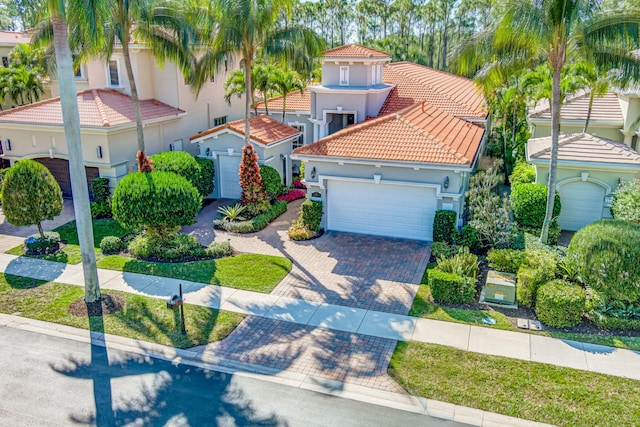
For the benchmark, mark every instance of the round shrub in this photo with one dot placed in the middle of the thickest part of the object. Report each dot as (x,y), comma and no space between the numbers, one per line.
(529,203)
(271,181)
(111,245)
(159,201)
(204,181)
(178,162)
(560,304)
(523,173)
(605,255)
(30,194)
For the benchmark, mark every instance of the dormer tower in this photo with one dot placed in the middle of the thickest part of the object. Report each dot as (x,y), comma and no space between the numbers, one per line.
(351,90)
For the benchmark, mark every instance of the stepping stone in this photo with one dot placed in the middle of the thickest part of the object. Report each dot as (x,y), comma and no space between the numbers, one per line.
(535,325)
(522,323)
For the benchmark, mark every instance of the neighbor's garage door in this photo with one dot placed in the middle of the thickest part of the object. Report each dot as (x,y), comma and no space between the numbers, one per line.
(381,209)
(582,203)
(60,170)
(229,181)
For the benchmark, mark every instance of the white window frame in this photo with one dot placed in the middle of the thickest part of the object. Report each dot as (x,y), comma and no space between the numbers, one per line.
(109,82)
(344,75)
(302,127)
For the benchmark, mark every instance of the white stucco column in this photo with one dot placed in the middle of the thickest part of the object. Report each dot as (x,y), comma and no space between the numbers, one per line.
(628,135)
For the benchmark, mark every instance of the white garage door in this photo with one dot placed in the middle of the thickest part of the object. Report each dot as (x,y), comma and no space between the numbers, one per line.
(582,203)
(229,181)
(381,209)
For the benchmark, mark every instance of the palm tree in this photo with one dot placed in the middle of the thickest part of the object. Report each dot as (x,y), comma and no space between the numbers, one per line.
(285,82)
(246,28)
(262,76)
(597,82)
(535,31)
(71,119)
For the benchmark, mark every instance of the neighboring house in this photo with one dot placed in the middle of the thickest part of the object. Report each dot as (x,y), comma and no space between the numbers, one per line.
(9,40)
(590,166)
(273,142)
(589,170)
(171,113)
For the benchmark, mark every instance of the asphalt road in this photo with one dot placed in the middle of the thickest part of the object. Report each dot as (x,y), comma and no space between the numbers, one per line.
(49,381)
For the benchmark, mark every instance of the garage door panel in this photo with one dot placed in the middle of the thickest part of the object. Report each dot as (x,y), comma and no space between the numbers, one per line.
(582,203)
(229,181)
(381,209)
(59,168)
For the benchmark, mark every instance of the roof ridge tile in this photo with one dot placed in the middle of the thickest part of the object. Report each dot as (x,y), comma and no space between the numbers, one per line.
(100,107)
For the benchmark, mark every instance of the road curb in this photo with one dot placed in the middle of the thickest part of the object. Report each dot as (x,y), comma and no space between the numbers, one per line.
(404,402)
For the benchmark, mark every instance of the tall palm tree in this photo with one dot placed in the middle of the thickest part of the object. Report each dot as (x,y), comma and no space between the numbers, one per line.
(71,118)
(285,82)
(246,28)
(553,31)
(597,82)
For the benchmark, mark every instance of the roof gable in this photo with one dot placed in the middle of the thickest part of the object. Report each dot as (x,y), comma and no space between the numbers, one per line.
(96,107)
(262,129)
(577,108)
(355,51)
(583,147)
(418,134)
(296,101)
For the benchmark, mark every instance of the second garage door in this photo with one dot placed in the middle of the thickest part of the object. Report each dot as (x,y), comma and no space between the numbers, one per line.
(582,203)
(381,209)
(229,181)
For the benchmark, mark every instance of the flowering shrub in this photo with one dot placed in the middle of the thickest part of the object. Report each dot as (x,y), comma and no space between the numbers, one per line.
(293,195)
(298,184)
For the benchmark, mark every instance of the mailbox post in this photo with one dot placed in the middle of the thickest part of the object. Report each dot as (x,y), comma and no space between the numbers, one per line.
(175,303)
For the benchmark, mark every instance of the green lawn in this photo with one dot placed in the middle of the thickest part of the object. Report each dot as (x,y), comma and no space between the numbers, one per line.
(142,318)
(424,306)
(252,272)
(534,391)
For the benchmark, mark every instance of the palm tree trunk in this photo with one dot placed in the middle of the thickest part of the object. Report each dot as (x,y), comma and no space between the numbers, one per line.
(553,162)
(134,93)
(69,102)
(284,105)
(586,123)
(248,97)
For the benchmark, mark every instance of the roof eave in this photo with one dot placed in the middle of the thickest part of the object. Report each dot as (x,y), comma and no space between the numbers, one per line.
(374,162)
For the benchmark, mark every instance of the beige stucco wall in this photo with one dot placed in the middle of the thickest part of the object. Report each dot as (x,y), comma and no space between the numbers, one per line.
(543,128)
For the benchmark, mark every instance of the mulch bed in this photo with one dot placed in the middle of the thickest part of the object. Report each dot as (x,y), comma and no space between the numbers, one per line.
(108,304)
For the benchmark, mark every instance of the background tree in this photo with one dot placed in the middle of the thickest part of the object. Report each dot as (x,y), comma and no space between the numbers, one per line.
(30,195)
(285,82)
(553,31)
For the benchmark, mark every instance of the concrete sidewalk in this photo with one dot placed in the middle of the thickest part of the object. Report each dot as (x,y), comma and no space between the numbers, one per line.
(572,354)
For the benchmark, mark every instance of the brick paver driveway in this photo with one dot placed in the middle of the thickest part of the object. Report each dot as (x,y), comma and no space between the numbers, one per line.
(353,270)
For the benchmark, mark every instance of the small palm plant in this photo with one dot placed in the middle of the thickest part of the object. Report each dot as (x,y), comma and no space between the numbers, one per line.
(232,213)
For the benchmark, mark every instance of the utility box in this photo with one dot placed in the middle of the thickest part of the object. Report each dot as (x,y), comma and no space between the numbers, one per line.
(500,288)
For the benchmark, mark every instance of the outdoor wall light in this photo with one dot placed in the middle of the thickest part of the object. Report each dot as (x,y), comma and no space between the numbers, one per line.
(99,151)
(207,152)
(313,173)
(446,183)
(7,145)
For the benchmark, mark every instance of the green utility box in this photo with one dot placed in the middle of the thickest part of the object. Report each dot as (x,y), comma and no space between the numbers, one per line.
(500,288)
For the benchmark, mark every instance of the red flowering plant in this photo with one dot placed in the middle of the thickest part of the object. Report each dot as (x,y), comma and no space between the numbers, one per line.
(293,195)
(298,184)
(253,195)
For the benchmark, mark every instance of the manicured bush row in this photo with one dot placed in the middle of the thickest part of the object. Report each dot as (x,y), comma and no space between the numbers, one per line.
(168,248)
(311,214)
(605,255)
(529,202)
(614,323)
(451,288)
(444,226)
(560,304)
(204,181)
(255,224)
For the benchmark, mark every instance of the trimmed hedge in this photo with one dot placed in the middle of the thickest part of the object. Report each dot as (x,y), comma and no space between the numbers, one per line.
(271,181)
(529,279)
(219,249)
(560,304)
(444,226)
(170,248)
(204,183)
(529,203)
(111,245)
(506,260)
(523,173)
(606,254)
(257,223)
(101,190)
(451,288)
(311,214)
(626,203)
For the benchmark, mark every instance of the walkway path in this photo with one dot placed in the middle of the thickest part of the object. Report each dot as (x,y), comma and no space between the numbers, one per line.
(341,342)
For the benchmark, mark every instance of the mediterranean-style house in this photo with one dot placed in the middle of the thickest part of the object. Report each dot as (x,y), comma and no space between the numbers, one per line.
(590,165)
(384,144)
(170,111)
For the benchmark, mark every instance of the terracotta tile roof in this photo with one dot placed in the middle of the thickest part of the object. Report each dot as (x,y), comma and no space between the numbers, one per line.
(354,51)
(583,147)
(97,108)
(14,37)
(295,102)
(262,128)
(453,94)
(576,108)
(410,135)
